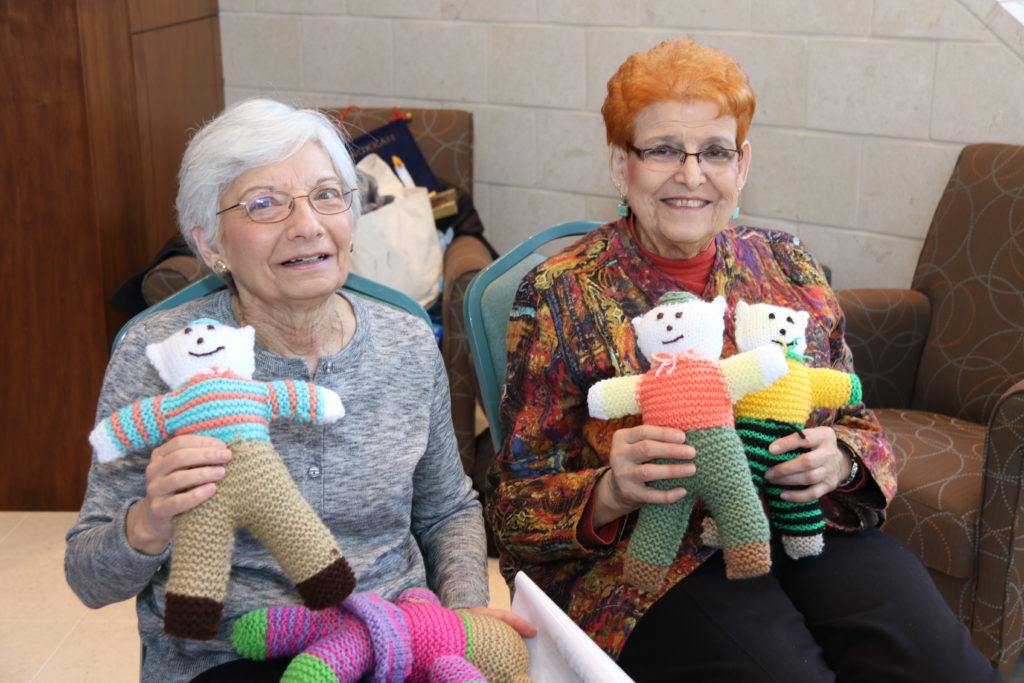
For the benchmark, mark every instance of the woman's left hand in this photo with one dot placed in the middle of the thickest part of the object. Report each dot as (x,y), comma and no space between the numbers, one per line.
(522,626)
(819,470)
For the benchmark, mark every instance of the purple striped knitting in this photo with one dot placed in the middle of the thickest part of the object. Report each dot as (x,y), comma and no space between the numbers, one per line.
(290,630)
(389,636)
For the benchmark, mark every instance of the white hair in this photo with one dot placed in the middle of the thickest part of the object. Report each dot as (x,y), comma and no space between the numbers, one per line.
(249,134)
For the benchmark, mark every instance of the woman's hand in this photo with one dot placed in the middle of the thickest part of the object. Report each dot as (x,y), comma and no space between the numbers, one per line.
(624,487)
(819,470)
(522,626)
(181,474)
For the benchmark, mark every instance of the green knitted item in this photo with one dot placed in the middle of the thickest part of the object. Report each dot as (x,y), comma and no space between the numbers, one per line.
(689,388)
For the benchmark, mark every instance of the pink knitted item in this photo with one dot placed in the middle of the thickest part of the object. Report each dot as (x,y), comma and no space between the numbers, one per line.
(413,638)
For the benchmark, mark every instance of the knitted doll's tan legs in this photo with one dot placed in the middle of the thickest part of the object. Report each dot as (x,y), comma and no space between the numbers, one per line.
(200,568)
(277,514)
(497,650)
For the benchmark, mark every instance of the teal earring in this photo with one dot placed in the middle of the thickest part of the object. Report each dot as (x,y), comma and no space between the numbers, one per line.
(736,213)
(623,208)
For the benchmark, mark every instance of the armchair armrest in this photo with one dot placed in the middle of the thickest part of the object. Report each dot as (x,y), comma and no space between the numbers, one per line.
(463,259)
(1000,556)
(886,330)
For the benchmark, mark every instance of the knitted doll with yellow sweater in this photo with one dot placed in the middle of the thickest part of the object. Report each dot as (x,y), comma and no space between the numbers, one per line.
(412,638)
(689,388)
(784,408)
(209,366)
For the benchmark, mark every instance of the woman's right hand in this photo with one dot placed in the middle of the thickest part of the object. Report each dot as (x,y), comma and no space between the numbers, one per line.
(181,474)
(624,487)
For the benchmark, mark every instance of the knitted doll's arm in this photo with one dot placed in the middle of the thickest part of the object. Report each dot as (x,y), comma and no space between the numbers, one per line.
(303,402)
(614,397)
(834,389)
(753,370)
(131,428)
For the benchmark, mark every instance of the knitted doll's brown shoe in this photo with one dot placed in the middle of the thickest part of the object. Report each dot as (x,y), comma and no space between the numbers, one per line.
(190,617)
(329,586)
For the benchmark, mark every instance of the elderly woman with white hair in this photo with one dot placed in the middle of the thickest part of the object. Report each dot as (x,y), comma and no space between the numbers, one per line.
(267,201)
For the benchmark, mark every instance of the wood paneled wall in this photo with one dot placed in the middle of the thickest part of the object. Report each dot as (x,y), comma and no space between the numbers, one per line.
(97,99)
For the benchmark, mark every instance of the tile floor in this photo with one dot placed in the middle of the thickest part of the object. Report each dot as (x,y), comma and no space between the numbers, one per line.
(47,635)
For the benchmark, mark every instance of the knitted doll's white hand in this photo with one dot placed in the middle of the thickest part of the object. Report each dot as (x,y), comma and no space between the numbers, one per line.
(772,360)
(331,404)
(106,448)
(594,402)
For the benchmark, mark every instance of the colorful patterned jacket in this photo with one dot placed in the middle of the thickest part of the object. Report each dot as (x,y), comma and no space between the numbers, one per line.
(569,328)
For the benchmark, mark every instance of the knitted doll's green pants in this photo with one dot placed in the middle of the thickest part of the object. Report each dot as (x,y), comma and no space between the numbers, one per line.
(723,482)
(258,493)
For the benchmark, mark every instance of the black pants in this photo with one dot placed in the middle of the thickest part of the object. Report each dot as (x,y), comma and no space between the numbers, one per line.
(864,610)
(245,671)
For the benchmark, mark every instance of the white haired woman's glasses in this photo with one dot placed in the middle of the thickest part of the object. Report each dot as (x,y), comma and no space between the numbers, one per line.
(274,207)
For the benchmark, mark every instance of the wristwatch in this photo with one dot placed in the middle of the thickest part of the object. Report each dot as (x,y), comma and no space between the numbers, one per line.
(854,471)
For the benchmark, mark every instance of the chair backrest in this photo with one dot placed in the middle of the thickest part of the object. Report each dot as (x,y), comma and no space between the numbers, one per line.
(445,136)
(971,269)
(486,309)
(357,284)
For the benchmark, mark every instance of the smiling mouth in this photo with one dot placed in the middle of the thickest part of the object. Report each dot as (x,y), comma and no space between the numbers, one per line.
(687,203)
(785,345)
(673,341)
(202,355)
(304,260)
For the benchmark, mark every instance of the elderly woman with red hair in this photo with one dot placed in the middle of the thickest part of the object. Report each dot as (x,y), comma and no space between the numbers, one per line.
(567,486)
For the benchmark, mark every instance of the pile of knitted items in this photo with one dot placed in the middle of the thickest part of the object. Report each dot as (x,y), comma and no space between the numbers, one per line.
(782,409)
(209,367)
(411,638)
(688,388)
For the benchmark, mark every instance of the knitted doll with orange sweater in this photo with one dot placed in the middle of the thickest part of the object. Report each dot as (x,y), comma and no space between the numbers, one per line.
(209,366)
(688,388)
(784,408)
(412,638)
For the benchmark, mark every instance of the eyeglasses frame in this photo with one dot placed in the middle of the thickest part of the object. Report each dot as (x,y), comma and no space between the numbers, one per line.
(642,155)
(291,205)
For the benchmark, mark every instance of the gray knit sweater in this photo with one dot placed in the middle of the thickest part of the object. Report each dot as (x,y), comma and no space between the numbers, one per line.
(386,479)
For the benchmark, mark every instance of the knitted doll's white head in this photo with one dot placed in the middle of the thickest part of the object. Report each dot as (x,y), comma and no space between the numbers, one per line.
(682,322)
(203,346)
(759,324)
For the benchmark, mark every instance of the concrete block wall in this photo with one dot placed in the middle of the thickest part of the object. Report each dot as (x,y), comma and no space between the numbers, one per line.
(863,105)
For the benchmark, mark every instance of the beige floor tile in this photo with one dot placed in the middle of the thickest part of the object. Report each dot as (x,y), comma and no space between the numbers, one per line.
(25,646)
(96,651)
(36,589)
(9,520)
(499,590)
(39,534)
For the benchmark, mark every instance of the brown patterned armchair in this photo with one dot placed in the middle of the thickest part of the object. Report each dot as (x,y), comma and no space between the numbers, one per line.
(943,364)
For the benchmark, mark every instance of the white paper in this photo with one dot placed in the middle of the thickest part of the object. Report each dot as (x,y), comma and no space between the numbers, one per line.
(561,652)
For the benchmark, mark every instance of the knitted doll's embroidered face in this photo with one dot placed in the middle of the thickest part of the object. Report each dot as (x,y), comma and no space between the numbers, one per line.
(202,345)
(759,324)
(675,327)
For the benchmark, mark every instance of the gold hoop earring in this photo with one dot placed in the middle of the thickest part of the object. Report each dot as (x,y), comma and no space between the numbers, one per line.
(220,267)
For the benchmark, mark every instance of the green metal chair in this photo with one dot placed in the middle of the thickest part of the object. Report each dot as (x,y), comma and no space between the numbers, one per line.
(357,284)
(486,308)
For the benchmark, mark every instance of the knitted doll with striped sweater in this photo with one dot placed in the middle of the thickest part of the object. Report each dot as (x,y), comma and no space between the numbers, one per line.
(412,638)
(688,388)
(209,367)
(781,409)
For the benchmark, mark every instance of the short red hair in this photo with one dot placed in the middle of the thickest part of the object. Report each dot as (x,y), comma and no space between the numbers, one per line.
(676,70)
